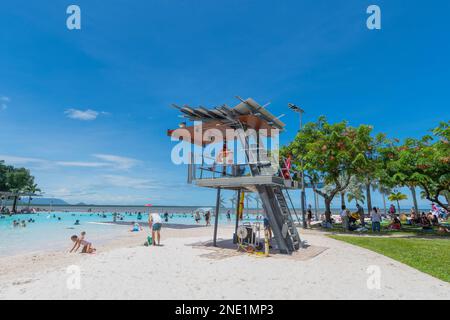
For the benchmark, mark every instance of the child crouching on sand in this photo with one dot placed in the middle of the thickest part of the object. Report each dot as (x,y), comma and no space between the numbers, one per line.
(80,241)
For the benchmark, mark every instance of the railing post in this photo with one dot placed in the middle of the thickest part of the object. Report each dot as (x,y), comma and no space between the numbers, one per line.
(238,201)
(216,222)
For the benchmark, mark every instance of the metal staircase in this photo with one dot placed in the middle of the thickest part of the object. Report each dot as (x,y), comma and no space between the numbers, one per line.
(280,219)
(273,200)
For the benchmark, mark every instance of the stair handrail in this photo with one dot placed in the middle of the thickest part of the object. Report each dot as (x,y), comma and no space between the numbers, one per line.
(292,204)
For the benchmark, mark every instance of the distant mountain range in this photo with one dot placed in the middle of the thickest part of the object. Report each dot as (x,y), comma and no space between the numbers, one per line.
(45,201)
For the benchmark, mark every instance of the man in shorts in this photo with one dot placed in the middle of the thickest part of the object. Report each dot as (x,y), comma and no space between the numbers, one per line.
(155,223)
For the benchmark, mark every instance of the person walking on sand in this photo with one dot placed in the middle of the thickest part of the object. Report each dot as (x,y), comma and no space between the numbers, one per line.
(155,223)
(309,217)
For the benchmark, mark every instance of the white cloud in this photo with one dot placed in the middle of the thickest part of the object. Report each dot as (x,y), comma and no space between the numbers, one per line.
(4,102)
(128,182)
(110,161)
(81,164)
(13,160)
(118,162)
(87,115)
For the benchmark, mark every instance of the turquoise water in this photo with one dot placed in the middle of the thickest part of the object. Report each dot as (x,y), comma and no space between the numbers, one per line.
(50,233)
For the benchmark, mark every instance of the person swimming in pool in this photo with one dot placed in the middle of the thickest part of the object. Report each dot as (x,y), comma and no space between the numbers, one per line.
(77,222)
(80,241)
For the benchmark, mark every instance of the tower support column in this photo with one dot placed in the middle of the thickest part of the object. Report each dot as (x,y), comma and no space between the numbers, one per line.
(216,221)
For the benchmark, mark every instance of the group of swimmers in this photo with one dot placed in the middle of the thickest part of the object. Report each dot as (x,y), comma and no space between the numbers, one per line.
(206,215)
(22,223)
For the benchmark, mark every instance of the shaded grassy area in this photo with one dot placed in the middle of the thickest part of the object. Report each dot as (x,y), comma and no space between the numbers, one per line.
(429,256)
(407,230)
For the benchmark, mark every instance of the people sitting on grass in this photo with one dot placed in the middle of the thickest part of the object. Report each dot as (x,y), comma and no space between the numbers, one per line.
(434,220)
(415,218)
(443,229)
(425,222)
(395,224)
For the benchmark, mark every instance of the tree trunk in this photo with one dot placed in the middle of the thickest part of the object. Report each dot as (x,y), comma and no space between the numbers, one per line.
(316,206)
(14,209)
(446,198)
(29,201)
(398,207)
(413,193)
(342,198)
(369,197)
(384,203)
(328,209)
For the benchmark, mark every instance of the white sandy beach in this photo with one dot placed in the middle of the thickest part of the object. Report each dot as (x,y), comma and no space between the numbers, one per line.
(125,269)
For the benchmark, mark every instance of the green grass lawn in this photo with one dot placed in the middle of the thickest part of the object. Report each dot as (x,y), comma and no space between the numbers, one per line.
(429,256)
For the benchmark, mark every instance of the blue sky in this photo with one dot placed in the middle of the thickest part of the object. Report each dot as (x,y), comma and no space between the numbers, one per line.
(87,110)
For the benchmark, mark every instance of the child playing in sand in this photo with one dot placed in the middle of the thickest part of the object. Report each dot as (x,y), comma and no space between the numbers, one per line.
(80,241)
(136,227)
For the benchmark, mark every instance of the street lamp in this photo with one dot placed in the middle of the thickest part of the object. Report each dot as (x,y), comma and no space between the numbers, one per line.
(300,111)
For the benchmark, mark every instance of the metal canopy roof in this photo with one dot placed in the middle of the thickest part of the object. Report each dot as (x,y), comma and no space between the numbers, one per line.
(231,117)
(248,114)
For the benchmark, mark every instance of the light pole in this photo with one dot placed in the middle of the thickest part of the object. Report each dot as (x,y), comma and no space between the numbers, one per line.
(300,111)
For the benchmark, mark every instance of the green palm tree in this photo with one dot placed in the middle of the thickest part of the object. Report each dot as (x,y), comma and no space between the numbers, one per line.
(31,189)
(222,202)
(356,195)
(258,202)
(397,196)
(355,191)
(384,191)
(233,201)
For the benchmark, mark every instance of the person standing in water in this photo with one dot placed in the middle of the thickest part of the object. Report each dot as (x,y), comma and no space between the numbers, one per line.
(155,223)
(207,218)
(197,217)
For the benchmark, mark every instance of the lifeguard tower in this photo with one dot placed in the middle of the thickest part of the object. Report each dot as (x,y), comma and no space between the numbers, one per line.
(260,171)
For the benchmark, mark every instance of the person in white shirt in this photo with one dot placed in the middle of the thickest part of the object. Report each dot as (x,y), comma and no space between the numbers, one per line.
(375,216)
(155,223)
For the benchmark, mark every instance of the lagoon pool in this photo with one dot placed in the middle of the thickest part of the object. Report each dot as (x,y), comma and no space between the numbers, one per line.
(52,231)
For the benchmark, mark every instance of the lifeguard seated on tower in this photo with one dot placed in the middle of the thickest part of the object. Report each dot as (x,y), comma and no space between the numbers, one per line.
(225,157)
